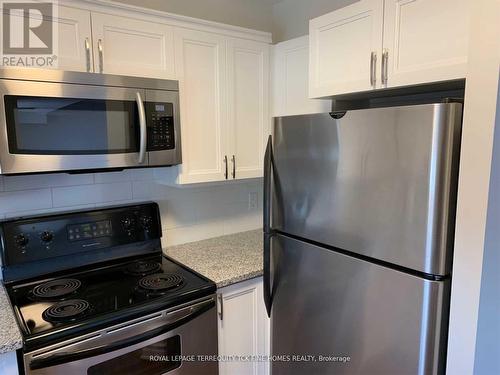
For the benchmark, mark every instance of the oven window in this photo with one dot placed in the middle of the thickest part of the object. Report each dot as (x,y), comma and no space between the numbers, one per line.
(154,359)
(64,126)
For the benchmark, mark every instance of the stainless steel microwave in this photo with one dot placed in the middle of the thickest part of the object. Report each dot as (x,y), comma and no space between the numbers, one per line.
(70,121)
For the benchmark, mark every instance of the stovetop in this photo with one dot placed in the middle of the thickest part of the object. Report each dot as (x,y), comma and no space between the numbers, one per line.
(57,308)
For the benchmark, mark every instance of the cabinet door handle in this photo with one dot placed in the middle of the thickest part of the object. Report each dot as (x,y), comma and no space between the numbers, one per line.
(99,49)
(87,53)
(233,159)
(221,303)
(385,60)
(373,69)
(225,162)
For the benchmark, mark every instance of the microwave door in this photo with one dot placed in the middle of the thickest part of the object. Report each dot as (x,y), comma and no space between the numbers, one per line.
(163,124)
(64,127)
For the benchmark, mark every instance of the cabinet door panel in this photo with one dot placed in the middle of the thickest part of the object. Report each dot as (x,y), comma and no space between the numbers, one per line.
(132,47)
(427,40)
(291,80)
(248,93)
(201,68)
(244,329)
(341,44)
(72,29)
(74,37)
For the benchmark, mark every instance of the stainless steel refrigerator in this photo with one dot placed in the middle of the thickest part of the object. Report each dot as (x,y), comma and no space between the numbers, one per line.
(358,236)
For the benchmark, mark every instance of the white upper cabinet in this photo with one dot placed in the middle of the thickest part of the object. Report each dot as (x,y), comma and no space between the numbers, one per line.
(201,69)
(412,41)
(75,39)
(248,106)
(135,47)
(425,40)
(343,47)
(224,89)
(291,80)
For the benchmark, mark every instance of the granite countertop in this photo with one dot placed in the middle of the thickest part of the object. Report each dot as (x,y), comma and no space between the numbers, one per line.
(10,336)
(225,260)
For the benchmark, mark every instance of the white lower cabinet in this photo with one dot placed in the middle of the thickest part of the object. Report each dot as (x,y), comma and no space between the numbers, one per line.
(8,363)
(243,328)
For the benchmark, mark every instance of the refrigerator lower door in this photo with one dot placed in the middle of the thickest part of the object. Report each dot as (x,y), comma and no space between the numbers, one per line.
(379,182)
(332,305)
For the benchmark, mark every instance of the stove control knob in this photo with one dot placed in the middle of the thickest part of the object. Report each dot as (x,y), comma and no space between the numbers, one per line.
(46,236)
(127,223)
(21,240)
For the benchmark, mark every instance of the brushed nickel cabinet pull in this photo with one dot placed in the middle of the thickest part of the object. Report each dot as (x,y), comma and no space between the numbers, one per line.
(87,53)
(385,60)
(225,162)
(221,302)
(233,159)
(373,69)
(101,58)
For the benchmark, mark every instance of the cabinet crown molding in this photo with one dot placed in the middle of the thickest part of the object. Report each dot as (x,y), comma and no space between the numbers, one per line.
(132,11)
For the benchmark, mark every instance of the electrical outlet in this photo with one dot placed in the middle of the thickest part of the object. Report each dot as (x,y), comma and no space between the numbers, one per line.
(252,200)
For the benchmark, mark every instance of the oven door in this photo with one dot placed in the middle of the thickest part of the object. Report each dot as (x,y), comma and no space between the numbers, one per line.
(60,127)
(181,341)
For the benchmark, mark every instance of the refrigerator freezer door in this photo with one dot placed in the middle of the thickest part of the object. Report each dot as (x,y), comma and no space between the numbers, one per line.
(332,305)
(378,182)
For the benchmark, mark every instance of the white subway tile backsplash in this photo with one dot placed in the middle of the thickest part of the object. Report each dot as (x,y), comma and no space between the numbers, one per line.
(107,177)
(178,208)
(38,181)
(52,210)
(147,190)
(142,174)
(188,213)
(24,200)
(241,219)
(98,193)
(176,236)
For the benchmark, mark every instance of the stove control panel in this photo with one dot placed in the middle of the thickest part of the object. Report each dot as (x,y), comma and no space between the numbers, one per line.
(85,231)
(38,238)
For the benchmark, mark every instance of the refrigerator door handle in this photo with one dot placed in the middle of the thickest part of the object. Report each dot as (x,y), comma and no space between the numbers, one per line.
(267,273)
(268,161)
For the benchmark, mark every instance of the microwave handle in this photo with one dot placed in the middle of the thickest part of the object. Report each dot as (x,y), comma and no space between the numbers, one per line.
(142,127)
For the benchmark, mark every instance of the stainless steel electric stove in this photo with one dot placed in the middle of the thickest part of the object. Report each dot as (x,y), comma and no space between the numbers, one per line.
(93,294)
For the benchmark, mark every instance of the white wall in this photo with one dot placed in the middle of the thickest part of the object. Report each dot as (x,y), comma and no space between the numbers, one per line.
(291,17)
(188,214)
(474,183)
(253,14)
(487,359)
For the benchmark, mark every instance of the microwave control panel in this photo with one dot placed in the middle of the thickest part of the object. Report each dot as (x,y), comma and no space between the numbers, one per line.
(160,124)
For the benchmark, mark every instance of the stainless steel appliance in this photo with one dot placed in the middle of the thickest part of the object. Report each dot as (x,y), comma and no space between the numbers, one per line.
(65,121)
(93,294)
(358,232)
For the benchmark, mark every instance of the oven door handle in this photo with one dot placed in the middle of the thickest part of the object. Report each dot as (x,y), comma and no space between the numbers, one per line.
(178,318)
(142,127)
